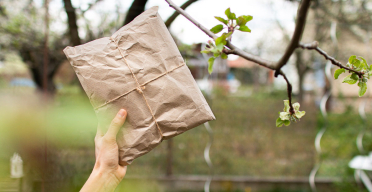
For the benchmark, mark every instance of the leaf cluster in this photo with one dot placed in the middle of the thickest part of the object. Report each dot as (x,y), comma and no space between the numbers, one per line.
(231,23)
(360,66)
(285,117)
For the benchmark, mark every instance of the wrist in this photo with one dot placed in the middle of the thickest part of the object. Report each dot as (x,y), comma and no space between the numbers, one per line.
(101,180)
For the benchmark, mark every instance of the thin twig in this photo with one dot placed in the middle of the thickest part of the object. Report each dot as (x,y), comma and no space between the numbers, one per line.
(300,25)
(176,13)
(90,5)
(289,92)
(234,50)
(265,63)
(314,46)
(192,20)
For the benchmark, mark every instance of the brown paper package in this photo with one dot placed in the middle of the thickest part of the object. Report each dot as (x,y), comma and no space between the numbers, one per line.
(140,69)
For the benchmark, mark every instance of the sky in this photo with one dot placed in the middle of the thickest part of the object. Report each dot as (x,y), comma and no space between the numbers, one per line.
(264,26)
(264,12)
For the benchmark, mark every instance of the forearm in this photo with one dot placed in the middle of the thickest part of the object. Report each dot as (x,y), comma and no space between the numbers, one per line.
(100,181)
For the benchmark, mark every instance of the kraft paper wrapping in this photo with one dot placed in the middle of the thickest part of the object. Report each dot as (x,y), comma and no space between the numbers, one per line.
(139,68)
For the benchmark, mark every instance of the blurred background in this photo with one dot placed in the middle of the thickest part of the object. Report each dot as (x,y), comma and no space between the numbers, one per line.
(47,124)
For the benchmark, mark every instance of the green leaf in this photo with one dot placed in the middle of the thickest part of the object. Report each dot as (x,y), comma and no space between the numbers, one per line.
(216,55)
(362,88)
(210,64)
(300,114)
(349,80)
(358,64)
(287,122)
(221,40)
(217,29)
(352,58)
(370,67)
(233,16)
(220,47)
(296,106)
(205,51)
(244,29)
(227,35)
(364,64)
(247,17)
(222,20)
(286,106)
(354,61)
(223,56)
(229,14)
(354,76)
(338,72)
(241,21)
(279,122)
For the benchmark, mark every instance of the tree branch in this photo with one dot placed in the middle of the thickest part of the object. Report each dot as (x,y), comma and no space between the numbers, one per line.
(314,46)
(72,23)
(90,5)
(294,44)
(289,92)
(192,20)
(250,57)
(234,50)
(137,7)
(300,25)
(175,14)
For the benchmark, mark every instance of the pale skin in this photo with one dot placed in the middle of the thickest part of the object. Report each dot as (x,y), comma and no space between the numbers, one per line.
(107,172)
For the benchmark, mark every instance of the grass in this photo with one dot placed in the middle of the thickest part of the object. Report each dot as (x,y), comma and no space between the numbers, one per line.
(246,141)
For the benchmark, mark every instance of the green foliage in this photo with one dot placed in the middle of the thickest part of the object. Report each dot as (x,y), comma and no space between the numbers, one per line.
(244,29)
(217,28)
(210,64)
(338,72)
(285,118)
(231,23)
(350,79)
(224,21)
(359,65)
(362,88)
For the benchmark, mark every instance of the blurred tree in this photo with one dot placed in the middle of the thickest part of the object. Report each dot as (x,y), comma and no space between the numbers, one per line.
(72,26)
(23,33)
(352,20)
(18,28)
(137,7)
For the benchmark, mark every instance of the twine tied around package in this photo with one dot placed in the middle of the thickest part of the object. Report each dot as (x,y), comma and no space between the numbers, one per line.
(139,87)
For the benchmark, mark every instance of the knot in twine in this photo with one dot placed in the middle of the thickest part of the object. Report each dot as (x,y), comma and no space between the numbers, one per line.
(140,89)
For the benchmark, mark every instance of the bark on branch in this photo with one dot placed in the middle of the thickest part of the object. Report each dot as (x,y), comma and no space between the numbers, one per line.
(289,92)
(235,50)
(137,7)
(90,6)
(300,25)
(175,14)
(72,26)
(314,46)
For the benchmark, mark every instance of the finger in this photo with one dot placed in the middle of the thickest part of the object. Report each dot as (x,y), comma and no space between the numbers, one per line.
(116,124)
(122,171)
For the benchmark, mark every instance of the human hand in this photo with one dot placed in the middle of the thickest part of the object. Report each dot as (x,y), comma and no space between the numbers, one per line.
(107,172)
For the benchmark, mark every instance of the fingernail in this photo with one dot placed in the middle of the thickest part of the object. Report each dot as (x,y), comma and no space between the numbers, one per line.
(121,113)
